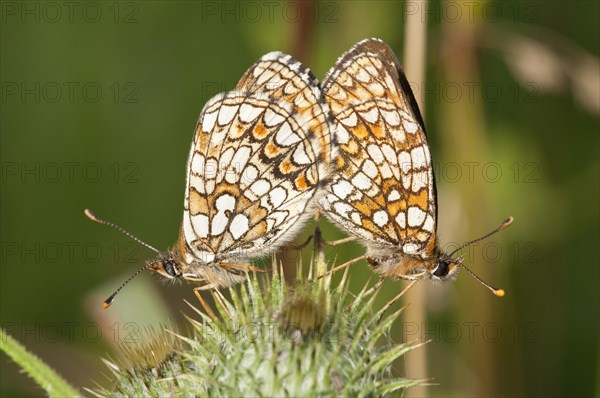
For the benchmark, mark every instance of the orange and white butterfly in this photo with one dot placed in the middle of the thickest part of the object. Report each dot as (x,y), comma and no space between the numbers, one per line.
(382,189)
(258,158)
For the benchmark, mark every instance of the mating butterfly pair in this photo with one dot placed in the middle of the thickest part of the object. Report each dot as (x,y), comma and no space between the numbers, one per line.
(267,154)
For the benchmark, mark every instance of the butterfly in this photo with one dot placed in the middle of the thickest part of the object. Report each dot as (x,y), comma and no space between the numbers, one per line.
(258,158)
(382,189)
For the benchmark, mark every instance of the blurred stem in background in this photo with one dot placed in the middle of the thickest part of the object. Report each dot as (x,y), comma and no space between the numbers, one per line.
(414,59)
(304,30)
(301,42)
(463,137)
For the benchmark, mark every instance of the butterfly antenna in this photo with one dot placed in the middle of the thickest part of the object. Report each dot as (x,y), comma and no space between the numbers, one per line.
(505,224)
(95,218)
(497,292)
(110,299)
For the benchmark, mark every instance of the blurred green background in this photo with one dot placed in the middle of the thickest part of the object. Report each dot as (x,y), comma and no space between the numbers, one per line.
(99,101)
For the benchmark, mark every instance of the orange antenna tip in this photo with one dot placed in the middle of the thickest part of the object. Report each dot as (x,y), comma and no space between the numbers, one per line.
(499,292)
(507,223)
(88,213)
(109,300)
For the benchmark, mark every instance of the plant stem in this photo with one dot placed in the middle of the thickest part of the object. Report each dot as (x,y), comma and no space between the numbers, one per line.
(43,375)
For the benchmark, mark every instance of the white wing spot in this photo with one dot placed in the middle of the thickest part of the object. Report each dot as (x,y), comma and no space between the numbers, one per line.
(208,121)
(419,180)
(342,209)
(345,80)
(342,189)
(209,187)
(416,216)
(285,136)
(398,135)
(200,223)
(380,218)
(418,157)
(410,248)
(239,226)
(377,89)
(260,187)
(250,174)
(300,156)
(266,75)
(385,171)
(369,168)
(350,121)
(428,225)
(375,153)
(226,114)
(410,126)
(225,159)
(241,158)
(277,196)
(389,154)
(224,205)
(248,113)
(405,162)
(342,134)
(210,169)
(401,219)
(393,196)
(272,119)
(371,116)
(363,76)
(198,163)
(361,181)
(391,117)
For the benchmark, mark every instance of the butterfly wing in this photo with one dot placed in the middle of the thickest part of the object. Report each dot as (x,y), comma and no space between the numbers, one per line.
(382,189)
(258,156)
(283,79)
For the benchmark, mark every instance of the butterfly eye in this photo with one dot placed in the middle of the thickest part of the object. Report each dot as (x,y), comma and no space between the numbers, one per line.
(170,268)
(442,269)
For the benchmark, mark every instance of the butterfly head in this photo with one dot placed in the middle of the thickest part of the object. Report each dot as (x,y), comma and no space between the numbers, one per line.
(165,265)
(445,268)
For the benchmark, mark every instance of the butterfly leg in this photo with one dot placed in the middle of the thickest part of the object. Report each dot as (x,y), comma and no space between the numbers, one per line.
(413,277)
(231,267)
(324,242)
(375,287)
(342,266)
(206,307)
(302,245)
(339,241)
(402,293)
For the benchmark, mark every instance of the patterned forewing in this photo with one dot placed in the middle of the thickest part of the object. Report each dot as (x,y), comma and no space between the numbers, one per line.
(256,160)
(382,188)
(284,79)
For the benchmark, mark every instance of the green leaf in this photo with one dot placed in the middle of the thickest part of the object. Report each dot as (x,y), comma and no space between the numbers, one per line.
(43,375)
